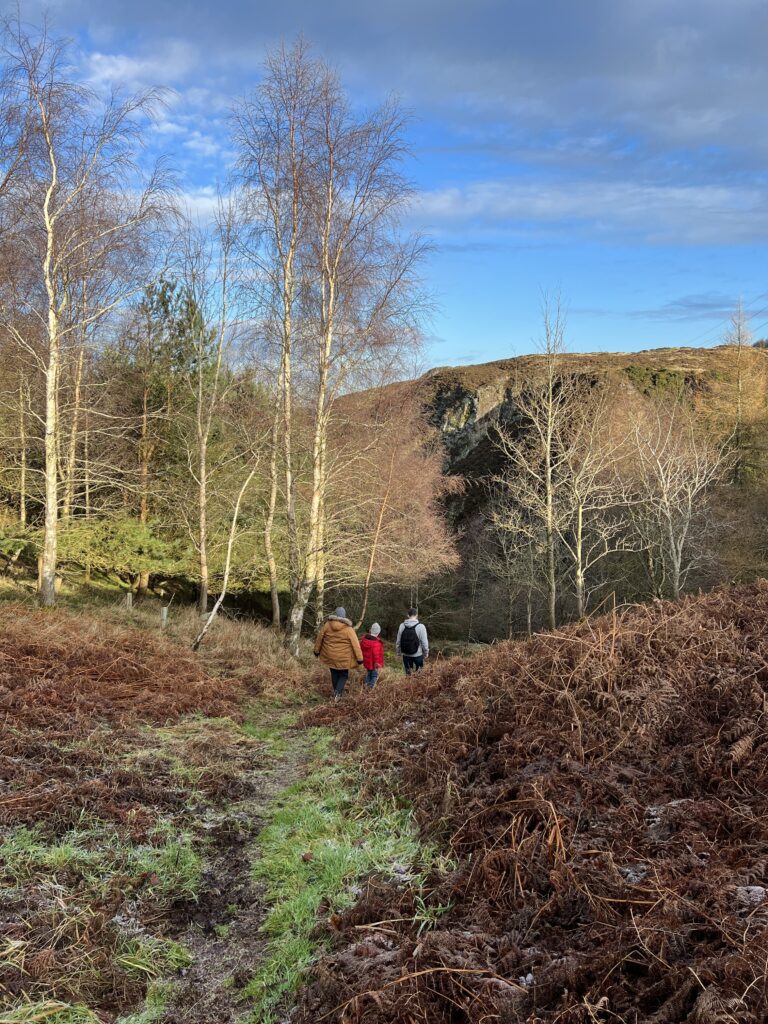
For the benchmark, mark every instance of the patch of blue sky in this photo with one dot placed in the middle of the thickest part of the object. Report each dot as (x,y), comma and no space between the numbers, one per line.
(616,151)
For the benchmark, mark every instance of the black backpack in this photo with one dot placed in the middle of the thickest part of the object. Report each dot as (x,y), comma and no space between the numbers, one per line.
(409,641)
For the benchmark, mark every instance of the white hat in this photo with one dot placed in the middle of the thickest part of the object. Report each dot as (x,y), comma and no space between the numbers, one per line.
(375,629)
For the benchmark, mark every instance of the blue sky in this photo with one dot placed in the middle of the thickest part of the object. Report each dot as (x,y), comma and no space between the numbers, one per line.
(614,149)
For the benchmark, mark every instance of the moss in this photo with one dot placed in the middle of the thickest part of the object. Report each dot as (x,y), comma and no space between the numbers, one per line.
(658,380)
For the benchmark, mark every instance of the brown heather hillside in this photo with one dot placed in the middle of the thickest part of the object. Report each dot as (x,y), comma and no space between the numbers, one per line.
(602,795)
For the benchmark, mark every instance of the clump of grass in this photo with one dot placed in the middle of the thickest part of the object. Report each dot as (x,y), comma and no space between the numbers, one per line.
(92,854)
(321,839)
(150,957)
(49,1010)
(154,1006)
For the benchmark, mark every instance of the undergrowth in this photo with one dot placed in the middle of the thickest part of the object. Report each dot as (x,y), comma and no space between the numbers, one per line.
(322,839)
(94,853)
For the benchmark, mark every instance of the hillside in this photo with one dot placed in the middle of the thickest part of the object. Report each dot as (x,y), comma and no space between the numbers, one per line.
(598,796)
(465,402)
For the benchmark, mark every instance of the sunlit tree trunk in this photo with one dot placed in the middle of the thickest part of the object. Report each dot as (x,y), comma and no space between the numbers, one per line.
(269,523)
(202,440)
(321,559)
(50,534)
(227,563)
(579,561)
(71,464)
(22,454)
(142,585)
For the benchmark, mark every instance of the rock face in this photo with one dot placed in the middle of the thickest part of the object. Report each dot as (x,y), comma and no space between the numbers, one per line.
(466,403)
(466,416)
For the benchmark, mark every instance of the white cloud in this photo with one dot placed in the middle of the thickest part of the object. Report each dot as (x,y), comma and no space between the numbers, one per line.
(696,214)
(200,204)
(167,127)
(169,64)
(204,145)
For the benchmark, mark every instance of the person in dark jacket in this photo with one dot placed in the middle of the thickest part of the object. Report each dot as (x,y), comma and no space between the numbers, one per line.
(373,655)
(337,647)
(412,643)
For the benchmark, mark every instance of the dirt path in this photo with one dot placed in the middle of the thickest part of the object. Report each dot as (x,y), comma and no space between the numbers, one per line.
(222,934)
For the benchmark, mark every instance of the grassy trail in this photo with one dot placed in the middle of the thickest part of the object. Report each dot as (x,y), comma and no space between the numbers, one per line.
(223,934)
(170,834)
(287,856)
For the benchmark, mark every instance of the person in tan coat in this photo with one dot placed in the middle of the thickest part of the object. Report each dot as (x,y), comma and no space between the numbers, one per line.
(337,647)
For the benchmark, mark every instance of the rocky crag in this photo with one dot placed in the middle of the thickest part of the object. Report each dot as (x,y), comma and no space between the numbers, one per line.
(467,403)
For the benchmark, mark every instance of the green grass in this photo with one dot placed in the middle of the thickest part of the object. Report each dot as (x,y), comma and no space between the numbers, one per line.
(321,839)
(51,1011)
(153,1009)
(94,853)
(150,958)
(271,735)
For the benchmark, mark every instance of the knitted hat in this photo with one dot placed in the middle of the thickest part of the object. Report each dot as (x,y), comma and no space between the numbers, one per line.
(375,629)
(340,613)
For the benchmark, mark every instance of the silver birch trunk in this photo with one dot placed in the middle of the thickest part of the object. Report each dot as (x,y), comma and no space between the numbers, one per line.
(579,562)
(227,564)
(50,537)
(269,522)
(23,456)
(71,464)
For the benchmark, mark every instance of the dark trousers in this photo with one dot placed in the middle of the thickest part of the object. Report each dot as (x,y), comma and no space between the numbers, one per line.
(339,677)
(412,664)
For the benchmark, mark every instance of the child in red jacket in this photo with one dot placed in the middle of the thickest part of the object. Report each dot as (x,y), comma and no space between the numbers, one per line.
(373,655)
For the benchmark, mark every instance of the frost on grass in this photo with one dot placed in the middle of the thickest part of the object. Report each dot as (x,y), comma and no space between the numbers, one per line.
(107,766)
(322,842)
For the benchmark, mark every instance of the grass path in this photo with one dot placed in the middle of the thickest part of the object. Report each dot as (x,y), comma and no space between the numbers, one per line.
(223,934)
(287,856)
(163,861)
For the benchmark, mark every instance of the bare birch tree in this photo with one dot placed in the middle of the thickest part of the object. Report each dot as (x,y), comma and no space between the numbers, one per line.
(210,280)
(516,558)
(592,515)
(740,337)
(275,132)
(362,284)
(325,195)
(673,467)
(77,158)
(536,459)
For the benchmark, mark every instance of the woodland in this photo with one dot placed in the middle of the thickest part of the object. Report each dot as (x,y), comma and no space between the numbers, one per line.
(177,393)
(209,404)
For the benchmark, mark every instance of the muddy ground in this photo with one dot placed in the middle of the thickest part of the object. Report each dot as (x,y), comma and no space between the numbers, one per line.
(222,930)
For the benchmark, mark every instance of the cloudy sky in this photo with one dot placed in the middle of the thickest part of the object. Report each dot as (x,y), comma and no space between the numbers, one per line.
(614,149)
